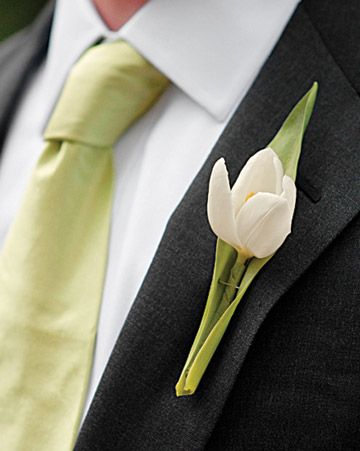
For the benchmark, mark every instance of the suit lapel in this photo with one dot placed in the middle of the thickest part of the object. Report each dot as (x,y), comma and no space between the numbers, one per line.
(18,57)
(135,406)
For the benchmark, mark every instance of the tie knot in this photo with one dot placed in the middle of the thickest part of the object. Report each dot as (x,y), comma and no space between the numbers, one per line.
(108,88)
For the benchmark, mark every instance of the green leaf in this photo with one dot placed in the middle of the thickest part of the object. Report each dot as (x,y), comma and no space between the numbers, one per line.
(287,144)
(288,140)
(224,260)
(207,350)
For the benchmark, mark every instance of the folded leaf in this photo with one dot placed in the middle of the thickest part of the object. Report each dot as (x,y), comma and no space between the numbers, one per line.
(225,258)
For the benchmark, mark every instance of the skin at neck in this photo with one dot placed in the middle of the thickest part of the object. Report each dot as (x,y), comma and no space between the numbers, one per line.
(117,12)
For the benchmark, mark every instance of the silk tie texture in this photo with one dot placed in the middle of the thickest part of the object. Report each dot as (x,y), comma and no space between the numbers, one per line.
(54,259)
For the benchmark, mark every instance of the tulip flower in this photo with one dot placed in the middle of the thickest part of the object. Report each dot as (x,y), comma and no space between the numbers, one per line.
(254,216)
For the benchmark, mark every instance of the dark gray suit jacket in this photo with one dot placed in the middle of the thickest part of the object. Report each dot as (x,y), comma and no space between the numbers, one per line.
(287,373)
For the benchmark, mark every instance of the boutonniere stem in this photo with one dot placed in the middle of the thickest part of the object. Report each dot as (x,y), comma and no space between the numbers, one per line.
(251,220)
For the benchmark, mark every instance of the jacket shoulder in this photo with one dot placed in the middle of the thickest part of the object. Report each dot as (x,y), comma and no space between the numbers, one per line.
(11,45)
(36,35)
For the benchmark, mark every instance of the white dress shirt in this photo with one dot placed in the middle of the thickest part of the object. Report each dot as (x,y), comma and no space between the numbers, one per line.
(211,50)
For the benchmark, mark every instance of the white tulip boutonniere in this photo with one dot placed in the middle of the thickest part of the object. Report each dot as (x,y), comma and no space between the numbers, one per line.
(251,220)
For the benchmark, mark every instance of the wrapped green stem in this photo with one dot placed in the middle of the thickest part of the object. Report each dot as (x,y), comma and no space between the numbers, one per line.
(232,286)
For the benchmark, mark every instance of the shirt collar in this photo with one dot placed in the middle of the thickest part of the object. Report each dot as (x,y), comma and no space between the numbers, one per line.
(211,50)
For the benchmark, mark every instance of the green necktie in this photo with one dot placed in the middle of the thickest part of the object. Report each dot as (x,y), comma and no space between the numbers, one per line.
(53,262)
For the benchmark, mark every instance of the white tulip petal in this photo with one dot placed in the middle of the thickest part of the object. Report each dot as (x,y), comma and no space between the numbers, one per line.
(263,172)
(263,223)
(252,212)
(289,192)
(219,207)
(279,171)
